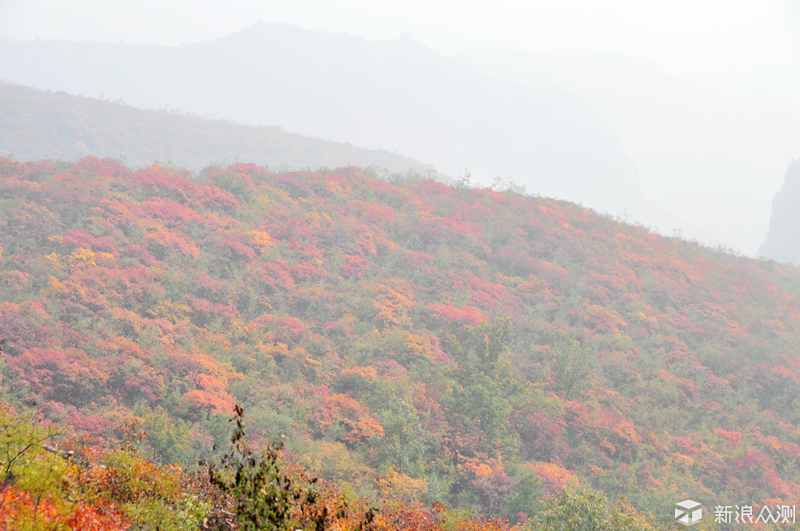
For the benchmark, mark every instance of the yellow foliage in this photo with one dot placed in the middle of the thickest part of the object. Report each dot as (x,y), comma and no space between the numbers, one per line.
(626,430)
(53,257)
(238,327)
(119,196)
(261,239)
(366,240)
(682,460)
(555,475)
(426,214)
(268,196)
(55,286)
(418,346)
(274,350)
(648,320)
(172,311)
(157,168)
(396,486)
(82,257)
(483,470)
(317,221)
(171,240)
(367,373)
(333,186)
(264,202)
(393,306)
(225,222)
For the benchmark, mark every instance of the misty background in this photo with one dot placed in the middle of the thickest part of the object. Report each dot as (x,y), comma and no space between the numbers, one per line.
(679,115)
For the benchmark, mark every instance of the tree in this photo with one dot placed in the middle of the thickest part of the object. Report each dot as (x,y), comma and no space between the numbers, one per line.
(264,496)
(572,368)
(484,342)
(587,511)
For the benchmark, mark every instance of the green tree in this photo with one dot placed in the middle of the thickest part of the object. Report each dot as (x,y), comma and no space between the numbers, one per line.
(484,344)
(525,498)
(24,460)
(168,437)
(572,368)
(584,511)
(587,511)
(264,495)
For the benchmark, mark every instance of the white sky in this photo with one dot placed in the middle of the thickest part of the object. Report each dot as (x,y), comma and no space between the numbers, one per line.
(739,46)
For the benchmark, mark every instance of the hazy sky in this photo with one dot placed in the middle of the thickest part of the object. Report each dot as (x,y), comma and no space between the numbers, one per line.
(736,45)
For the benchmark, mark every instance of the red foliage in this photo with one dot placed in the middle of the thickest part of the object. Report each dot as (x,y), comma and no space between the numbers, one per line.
(152,285)
(18,508)
(468,315)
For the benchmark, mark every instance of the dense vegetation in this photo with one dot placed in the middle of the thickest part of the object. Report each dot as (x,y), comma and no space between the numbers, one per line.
(406,341)
(36,124)
(783,239)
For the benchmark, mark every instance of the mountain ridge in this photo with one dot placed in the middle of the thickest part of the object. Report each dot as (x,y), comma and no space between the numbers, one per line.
(397,94)
(37,124)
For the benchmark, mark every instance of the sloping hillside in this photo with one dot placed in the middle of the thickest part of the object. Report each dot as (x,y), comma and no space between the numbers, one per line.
(473,347)
(783,238)
(37,125)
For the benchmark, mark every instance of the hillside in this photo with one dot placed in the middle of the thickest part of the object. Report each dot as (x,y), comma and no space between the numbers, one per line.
(411,340)
(37,125)
(397,95)
(783,238)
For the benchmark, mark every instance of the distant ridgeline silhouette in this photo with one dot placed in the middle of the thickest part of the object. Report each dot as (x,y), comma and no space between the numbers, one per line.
(37,125)
(783,238)
(398,95)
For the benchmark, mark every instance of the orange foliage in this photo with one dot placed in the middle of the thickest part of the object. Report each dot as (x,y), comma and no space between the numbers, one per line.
(19,509)
(554,478)
(328,300)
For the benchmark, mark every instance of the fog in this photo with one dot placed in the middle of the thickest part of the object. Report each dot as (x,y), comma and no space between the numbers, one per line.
(683,115)
(712,159)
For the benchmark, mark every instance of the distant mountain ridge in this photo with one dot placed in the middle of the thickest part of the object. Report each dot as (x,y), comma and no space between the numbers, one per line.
(37,124)
(783,239)
(398,95)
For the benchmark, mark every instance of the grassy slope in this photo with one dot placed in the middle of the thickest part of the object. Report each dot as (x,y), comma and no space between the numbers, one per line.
(365,320)
(38,125)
